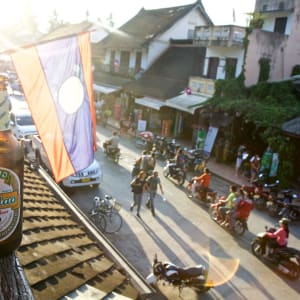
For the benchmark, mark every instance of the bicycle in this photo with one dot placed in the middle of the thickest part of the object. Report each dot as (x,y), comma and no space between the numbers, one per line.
(105,214)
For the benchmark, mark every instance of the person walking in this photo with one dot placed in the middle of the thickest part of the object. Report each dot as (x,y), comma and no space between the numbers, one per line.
(138,186)
(239,159)
(153,181)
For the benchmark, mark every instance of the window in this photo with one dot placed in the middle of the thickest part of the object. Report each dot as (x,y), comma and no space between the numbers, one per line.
(280,25)
(112,61)
(230,67)
(190,34)
(138,61)
(213,67)
(124,63)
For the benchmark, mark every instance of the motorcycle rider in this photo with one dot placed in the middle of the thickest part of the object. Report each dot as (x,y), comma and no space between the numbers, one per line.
(242,208)
(202,181)
(226,204)
(112,144)
(277,239)
(179,161)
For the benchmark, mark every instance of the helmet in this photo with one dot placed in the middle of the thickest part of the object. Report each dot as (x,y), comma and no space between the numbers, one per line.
(284,221)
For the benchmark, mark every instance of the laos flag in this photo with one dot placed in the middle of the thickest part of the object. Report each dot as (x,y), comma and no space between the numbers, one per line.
(56,77)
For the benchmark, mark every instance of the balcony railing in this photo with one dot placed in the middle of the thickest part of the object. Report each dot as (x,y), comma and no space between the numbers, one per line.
(266,6)
(220,36)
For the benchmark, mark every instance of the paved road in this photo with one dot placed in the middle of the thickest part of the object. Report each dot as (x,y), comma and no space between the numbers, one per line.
(183,233)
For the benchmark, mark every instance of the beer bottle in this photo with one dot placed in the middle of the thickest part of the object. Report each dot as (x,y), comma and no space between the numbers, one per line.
(11,180)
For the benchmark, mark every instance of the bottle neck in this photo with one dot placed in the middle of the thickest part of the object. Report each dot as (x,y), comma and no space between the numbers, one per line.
(4,111)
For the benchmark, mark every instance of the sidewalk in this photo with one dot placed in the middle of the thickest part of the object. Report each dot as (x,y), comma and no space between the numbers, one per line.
(224,171)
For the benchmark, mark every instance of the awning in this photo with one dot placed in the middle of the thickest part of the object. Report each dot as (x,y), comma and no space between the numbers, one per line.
(150,102)
(105,89)
(187,103)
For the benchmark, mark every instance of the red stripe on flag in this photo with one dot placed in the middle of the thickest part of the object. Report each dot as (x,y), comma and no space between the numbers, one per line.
(85,52)
(43,110)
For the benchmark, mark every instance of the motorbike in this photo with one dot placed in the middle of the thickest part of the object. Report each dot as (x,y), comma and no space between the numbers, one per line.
(172,148)
(174,172)
(285,259)
(261,194)
(291,211)
(192,277)
(195,159)
(160,146)
(238,225)
(276,204)
(113,154)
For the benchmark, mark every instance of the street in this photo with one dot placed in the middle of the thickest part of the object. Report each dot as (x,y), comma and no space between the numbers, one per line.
(182,232)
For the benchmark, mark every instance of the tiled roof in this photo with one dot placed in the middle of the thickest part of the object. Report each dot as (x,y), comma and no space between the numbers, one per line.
(169,75)
(147,24)
(59,255)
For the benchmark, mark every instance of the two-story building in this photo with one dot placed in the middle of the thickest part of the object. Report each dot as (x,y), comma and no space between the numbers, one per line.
(275,45)
(132,49)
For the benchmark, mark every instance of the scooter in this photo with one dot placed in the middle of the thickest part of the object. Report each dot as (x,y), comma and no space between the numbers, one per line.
(174,172)
(192,277)
(284,259)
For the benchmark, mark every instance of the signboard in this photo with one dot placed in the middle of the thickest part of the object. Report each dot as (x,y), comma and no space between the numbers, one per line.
(201,135)
(141,126)
(210,139)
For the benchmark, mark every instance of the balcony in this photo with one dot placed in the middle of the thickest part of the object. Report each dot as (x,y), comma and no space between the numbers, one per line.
(220,36)
(272,6)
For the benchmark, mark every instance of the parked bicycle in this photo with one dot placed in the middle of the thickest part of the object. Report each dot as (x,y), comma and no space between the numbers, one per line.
(105,214)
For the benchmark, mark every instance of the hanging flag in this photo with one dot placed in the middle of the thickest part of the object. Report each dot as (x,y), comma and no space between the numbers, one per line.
(57,81)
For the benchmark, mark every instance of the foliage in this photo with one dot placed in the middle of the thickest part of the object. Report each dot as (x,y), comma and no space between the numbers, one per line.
(265,104)
(296,70)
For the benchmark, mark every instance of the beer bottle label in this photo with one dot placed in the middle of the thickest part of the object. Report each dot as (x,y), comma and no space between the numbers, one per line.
(9,203)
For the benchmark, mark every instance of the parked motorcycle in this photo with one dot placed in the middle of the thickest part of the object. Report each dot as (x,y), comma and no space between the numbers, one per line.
(192,277)
(195,159)
(160,146)
(261,194)
(172,148)
(285,259)
(174,172)
(113,154)
(291,211)
(275,205)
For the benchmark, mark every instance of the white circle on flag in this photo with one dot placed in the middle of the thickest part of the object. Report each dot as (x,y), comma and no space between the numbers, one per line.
(71,95)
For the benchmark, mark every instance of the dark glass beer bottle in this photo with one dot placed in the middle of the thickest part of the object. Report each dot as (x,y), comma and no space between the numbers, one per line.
(11,180)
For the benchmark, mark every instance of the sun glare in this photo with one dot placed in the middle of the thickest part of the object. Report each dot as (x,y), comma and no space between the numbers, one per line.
(9,14)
